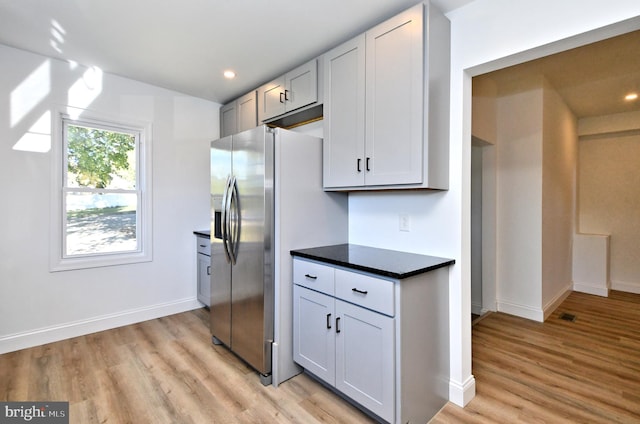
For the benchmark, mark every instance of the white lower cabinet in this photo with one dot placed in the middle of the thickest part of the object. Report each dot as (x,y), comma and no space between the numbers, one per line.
(314,333)
(365,358)
(381,342)
(204,270)
(346,346)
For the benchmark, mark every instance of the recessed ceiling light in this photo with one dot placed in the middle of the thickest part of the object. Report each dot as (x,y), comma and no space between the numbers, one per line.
(631,96)
(229,74)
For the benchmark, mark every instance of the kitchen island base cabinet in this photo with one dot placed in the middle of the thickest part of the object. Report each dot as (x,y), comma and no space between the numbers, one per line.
(382,343)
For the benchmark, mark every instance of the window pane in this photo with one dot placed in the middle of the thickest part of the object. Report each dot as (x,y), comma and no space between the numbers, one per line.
(100,158)
(100,223)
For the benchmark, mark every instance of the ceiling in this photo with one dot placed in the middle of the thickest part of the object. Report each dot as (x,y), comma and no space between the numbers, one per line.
(185,45)
(592,79)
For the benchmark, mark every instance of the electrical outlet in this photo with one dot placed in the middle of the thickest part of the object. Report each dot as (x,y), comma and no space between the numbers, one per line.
(404,222)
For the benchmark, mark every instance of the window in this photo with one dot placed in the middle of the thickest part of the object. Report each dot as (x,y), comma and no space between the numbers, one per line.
(103,202)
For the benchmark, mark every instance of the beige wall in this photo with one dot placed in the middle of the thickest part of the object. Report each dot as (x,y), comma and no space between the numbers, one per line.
(560,145)
(536,142)
(519,209)
(609,191)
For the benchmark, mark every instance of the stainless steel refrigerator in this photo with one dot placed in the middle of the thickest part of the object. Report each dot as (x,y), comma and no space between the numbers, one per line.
(266,199)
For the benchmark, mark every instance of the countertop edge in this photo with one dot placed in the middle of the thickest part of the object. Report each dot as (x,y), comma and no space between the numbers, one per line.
(385,273)
(203,233)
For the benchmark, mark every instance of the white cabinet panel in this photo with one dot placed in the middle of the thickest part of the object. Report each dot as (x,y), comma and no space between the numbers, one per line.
(295,89)
(394,89)
(386,125)
(314,276)
(203,248)
(344,112)
(302,86)
(271,99)
(365,358)
(313,329)
(239,115)
(228,119)
(247,115)
(363,290)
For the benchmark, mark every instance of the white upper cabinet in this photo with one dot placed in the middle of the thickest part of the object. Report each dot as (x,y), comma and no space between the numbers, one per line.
(228,119)
(344,108)
(386,105)
(295,89)
(393,125)
(239,115)
(247,111)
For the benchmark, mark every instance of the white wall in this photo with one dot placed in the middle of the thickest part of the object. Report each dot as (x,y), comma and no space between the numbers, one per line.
(477,183)
(609,191)
(519,202)
(488,35)
(76,302)
(560,157)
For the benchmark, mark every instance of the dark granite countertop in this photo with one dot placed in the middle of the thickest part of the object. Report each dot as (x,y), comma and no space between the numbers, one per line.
(387,263)
(203,233)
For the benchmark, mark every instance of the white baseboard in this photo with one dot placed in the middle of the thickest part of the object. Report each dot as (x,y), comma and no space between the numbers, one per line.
(522,311)
(476,309)
(589,289)
(462,393)
(625,287)
(556,301)
(56,333)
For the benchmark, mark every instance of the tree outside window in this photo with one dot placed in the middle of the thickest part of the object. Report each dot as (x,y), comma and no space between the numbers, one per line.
(101,190)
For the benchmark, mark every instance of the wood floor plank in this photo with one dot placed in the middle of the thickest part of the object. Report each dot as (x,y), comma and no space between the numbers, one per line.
(586,371)
(168,371)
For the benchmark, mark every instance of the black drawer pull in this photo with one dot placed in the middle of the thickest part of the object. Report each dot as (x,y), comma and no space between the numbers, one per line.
(203,245)
(311,277)
(328,321)
(338,325)
(359,291)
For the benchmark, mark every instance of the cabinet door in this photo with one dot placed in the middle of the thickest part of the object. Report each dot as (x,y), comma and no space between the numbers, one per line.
(344,113)
(228,119)
(365,358)
(301,86)
(271,99)
(204,279)
(247,111)
(313,332)
(394,93)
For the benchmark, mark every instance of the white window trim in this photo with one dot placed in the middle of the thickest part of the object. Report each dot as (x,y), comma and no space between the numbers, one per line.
(57,259)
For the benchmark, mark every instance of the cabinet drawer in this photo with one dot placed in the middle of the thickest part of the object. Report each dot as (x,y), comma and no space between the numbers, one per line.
(370,292)
(204,246)
(314,276)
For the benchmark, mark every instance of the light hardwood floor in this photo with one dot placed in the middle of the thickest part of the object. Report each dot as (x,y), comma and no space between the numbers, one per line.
(587,371)
(167,371)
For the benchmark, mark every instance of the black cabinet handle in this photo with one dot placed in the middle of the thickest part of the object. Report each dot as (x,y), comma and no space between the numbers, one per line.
(359,291)
(368,169)
(281,97)
(338,325)
(329,321)
(203,245)
(358,165)
(311,277)
(286,95)
(208,270)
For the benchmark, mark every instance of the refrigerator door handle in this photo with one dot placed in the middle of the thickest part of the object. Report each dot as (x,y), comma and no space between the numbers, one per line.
(234,227)
(225,220)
